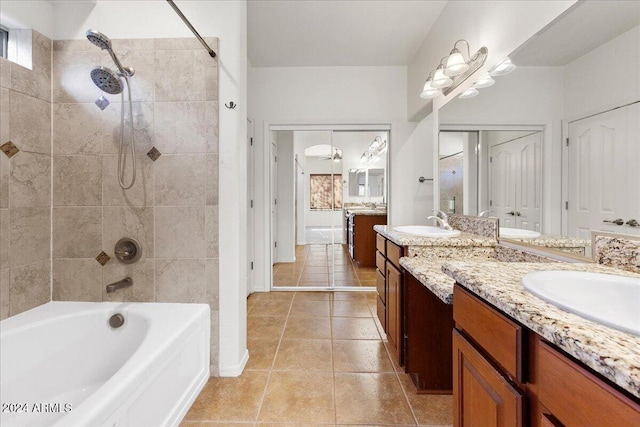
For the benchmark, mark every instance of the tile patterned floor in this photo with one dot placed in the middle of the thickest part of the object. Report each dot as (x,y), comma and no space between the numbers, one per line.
(316,359)
(319,264)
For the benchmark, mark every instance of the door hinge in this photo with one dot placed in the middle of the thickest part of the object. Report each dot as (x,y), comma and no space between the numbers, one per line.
(252,203)
(490,202)
(275,201)
(251,140)
(491,159)
(567,142)
(566,205)
(275,159)
(275,244)
(252,265)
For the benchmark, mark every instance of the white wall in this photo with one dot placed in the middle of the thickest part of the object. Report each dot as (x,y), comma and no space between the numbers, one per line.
(336,95)
(605,78)
(501,26)
(227,21)
(34,14)
(286,222)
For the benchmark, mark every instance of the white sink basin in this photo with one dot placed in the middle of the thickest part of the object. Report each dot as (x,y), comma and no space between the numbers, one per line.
(516,233)
(604,298)
(426,231)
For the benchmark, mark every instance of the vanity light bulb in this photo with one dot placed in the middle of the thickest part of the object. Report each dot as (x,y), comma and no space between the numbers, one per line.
(428,91)
(484,81)
(456,64)
(469,93)
(440,80)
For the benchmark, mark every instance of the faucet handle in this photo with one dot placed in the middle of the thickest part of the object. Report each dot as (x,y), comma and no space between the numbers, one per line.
(440,214)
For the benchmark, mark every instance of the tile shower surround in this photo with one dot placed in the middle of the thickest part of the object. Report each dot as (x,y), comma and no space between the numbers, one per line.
(25,181)
(172,209)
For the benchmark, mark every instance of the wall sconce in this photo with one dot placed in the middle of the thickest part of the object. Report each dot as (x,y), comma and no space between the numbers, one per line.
(453,70)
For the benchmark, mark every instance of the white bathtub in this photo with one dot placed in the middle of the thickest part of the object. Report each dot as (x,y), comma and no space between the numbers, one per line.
(61,364)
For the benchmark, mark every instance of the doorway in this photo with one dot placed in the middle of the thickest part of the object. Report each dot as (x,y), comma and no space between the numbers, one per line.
(312,172)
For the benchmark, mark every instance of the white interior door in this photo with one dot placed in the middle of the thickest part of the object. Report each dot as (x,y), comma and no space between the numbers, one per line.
(501,179)
(604,176)
(274,199)
(250,208)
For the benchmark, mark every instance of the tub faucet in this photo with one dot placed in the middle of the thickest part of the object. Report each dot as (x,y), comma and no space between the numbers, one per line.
(442,223)
(124,283)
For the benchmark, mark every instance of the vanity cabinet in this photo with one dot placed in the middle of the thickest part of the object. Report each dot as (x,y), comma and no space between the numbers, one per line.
(428,341)
(361,238)
(506,375)
(389,289)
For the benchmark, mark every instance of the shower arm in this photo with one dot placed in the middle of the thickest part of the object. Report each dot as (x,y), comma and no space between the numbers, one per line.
(124,70)
(193,30)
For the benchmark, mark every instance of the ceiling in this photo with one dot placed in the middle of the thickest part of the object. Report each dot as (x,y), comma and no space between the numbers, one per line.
(306,33)
(585,27)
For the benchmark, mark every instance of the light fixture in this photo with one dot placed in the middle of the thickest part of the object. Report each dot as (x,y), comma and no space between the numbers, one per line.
(456,64)
(503,67)
(337,156)
(440,80)
(484,81)
(469,93)
(428,91)
(376,148)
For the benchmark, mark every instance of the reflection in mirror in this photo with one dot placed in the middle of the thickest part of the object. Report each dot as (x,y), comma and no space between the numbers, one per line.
(560,148)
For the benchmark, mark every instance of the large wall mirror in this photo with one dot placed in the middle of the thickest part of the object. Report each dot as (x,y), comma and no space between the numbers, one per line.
(553,146)
(317,177)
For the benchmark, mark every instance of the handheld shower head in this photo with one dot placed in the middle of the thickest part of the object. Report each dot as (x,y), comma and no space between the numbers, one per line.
(99,39)
(107,80)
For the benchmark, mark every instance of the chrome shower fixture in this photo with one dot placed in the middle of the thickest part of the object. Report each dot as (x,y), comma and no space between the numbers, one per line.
(104,43)
(107,80)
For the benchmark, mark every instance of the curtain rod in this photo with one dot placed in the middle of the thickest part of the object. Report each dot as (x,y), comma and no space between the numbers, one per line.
(193,30)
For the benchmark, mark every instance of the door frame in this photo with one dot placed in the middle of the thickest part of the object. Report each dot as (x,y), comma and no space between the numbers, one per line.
(268,127)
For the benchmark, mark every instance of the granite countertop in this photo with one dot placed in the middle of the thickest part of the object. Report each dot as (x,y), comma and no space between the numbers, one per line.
(612,353)
(429,273)
(463,240)
(552,241)
(369,212)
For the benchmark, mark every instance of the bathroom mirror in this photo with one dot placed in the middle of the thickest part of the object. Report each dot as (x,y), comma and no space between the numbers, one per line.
(357,182)
(521,168)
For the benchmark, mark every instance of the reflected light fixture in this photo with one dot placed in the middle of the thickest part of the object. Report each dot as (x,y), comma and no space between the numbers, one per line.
(456,63)
(503,67)
(440,80)
(484,81)
(469,93)
(337,156)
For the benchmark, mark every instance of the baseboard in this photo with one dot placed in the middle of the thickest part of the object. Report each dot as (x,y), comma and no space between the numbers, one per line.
(235,370)
(287,260)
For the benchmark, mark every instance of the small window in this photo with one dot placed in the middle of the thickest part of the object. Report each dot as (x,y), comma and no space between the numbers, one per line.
(326,192)
(4,39)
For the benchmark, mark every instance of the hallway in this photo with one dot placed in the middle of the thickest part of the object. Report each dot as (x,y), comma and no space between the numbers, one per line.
(316,358)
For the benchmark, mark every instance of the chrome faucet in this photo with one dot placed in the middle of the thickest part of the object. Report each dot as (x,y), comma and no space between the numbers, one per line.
(441,215)
(485,213)
(124,283)
(442,223)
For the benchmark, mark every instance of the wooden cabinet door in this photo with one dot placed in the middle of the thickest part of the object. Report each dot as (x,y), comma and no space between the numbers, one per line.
(393,308)
(481,395)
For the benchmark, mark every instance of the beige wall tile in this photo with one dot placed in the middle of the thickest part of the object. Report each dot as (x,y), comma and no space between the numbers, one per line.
(29,286)
(142,273)
(210,69)
(73,45)
(212,231)
(212,179)
(5,111)
(141,194)
(180,232)
(142,125)
(211,119)
(71,76)
(180,180)
(77,279)
(179,127)
(214,350)
(77,180)
(181,76)
(128,221)
(30,123)
(212,282)
(37,81)
(30,180)
(29,234)
(180,280)
(5,73)
(184,43)
(142,82)
(133,44)
(4,293)
(4,239)
(5,172)
(77,232)
(78,129)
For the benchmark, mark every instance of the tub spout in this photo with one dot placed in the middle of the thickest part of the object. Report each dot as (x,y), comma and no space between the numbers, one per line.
(124,283)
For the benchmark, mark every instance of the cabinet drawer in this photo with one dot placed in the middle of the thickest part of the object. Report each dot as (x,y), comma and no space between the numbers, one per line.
(380,263)
(381,244)
(381,287)
(394,253)
(576,397)
(499,336)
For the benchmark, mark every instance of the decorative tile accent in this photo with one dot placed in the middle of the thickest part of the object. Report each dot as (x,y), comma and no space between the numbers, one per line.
(154,154)
(103,258)
(9,149)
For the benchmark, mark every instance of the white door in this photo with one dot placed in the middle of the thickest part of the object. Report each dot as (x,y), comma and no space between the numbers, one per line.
(274,198)
(251,210)
(604,173)
(514,170)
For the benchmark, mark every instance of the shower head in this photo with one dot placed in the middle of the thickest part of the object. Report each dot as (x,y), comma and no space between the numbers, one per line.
(107,80)
(99,39)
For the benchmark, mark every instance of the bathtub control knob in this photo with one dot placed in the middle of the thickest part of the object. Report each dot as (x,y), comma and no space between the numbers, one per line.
(116,320)
(128,250)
